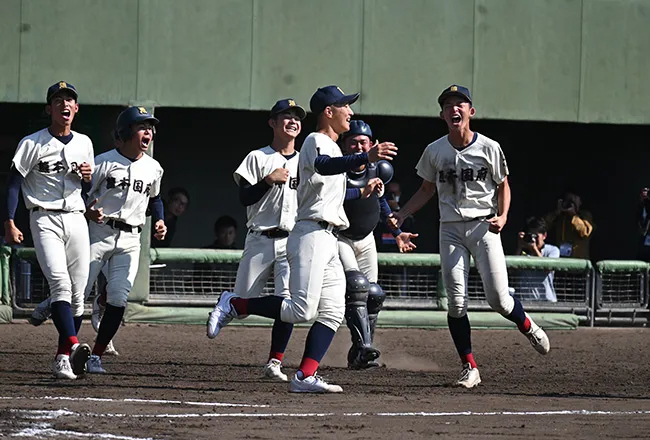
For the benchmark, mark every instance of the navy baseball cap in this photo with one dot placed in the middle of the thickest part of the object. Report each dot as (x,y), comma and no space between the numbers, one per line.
(455,90)
(330,95)
(358,127)
(56,88)
(286,104)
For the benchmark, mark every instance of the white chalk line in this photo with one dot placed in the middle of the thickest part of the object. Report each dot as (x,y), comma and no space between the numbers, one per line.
(146,401)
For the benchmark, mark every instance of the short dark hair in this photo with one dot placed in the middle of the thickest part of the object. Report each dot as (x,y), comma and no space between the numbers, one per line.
(224,221)
(535,225)
(178,190)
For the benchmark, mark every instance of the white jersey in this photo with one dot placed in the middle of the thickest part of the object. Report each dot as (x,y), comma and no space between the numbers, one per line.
(277,208)
(50,169)
(123,187)
(466,179)
(320,198)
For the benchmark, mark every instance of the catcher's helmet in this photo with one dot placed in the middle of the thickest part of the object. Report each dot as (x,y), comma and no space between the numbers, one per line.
(129,117)
(357,127)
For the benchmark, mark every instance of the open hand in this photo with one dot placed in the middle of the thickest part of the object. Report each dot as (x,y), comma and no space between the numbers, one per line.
(404,243)
(385,150)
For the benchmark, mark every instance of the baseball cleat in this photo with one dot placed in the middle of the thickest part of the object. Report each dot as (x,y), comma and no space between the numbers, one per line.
(94,365)
(61,367)
(222,314)
(537,337)
(97,314)
(79,357)
(273,370)
(41,313)
(312,384)
(469,377)
(111,350)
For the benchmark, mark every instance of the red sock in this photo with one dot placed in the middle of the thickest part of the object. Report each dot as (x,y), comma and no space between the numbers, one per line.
(468,359)
(276,355)
(66,346)
(308,367)
(240,305)
(525,327)
(99,349)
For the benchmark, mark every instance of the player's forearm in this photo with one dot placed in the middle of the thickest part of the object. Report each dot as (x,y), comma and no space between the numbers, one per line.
(384,213)
(251,194)
(352,193)
(157,209)
(503,197)
(14,182)
(415,203)
(330,166)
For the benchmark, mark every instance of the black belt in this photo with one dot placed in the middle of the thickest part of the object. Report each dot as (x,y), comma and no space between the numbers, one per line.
(39,209)
(271,233)
(330,227)
(118,224)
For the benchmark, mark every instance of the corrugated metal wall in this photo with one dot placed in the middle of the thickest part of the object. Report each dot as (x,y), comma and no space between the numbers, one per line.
(555,60)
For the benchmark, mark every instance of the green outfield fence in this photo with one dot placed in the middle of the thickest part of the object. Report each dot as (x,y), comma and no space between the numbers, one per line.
(609,292)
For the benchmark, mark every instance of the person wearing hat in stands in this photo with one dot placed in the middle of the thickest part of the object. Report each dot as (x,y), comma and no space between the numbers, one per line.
(316,278)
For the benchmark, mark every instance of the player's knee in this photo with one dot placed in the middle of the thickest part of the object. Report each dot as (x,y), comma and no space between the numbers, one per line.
(502,304)
(457,307)
(376,298)
(297,315)
(77,307)
(356,289)
(118,296)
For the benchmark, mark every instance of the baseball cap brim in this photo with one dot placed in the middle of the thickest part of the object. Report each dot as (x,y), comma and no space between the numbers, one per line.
(444,96)
(347,99)
(302,113)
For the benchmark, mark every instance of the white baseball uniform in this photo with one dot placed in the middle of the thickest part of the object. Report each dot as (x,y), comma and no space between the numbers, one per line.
(274,212)
(316,279)
(466,182)
(122,188)
(52,192)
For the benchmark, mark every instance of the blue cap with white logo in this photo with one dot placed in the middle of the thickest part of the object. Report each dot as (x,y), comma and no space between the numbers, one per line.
(330,95)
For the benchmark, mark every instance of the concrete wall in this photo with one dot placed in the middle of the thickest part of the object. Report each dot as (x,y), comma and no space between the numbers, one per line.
(548,60)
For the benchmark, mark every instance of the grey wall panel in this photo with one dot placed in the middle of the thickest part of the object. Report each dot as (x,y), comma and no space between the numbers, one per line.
(90,43)
(300,46)
(412,53)
(9,50)
(527,61)
(616,62)
(195,53)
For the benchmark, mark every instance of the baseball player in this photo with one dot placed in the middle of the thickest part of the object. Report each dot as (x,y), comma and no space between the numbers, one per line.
(358,250)
(50,166)
(268,180)
(316,278)
(126,182)
(470,174)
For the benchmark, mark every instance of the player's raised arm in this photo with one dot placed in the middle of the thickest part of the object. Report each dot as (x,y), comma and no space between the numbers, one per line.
(415,203)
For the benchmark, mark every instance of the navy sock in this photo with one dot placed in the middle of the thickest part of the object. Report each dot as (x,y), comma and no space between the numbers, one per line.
(280,337)
(461,333)
(517,315)
(63,319)
(318,341)
(77,323)
(110,324)
(267,306)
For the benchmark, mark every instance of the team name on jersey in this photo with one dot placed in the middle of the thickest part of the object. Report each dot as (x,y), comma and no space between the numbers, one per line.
(293,183)
(466,175)
(124,183)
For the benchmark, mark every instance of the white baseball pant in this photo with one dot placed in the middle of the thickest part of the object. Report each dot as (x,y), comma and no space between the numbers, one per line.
(457,241)
(119,252)
(360,255)
(62,249)
(262,255)
(316,277)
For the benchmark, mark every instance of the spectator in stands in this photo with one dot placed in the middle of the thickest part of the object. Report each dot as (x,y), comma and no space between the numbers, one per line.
(225,232)
(570,227)
(536,284)
(643,220)
(178,200)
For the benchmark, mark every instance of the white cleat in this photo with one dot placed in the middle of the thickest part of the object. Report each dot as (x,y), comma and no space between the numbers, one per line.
(61,367)
(79,356)
(273,370)
(94,365)
(111,350)
(222,314)
(312,384)
(469,377)
(41,313)
(97,314)
(537,337)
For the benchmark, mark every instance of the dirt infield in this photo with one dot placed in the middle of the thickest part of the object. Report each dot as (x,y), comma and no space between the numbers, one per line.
(171,382)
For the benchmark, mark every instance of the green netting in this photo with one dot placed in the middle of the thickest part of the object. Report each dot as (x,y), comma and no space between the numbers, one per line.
(5,258)
(622,266)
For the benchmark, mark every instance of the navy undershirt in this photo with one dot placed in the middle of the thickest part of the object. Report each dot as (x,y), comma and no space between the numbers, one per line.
(329,166)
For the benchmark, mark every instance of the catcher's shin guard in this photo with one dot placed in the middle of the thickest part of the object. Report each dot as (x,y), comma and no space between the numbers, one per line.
(356,317)
(376,297)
